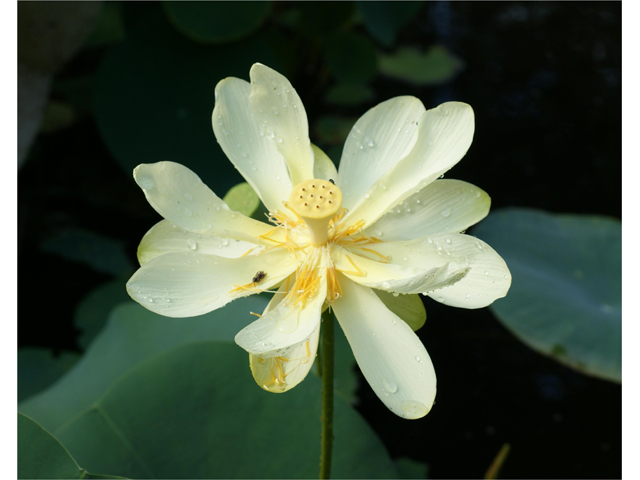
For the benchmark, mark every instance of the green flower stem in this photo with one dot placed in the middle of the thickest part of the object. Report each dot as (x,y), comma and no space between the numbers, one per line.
(327,396)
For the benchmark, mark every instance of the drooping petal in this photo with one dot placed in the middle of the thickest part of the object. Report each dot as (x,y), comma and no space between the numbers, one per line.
(283,119)
(242,139)
(178,194)
(444,136)
(281,373)
(290,323)
(189,284)
(406,277)
(379,139)
(488,279)
(323,167)
(444,206)
(408,307)
(165,237)
(390,355)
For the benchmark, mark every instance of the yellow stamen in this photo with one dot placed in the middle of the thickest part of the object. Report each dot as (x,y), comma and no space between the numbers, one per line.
(357,273)
(386,259)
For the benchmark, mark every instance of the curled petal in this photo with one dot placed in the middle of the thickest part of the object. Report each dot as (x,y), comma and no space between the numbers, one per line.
(190,284)
(488,279)
(281,373)
(406,278)
(291,322)
(390,355)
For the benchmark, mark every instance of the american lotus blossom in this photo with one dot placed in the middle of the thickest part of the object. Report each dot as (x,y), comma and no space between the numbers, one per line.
(384,226)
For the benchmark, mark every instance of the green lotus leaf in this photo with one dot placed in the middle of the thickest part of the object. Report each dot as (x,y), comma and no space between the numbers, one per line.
(154,95)
(433,67)
(565,299)
(195,412)
(40,455)
(38,368)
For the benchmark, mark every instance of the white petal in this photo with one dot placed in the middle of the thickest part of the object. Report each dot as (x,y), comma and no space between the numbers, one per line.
(444,206)
(283,119)
(323,167)
(379,139)
(165,237)
(408,277)
(444,136)
(190,284)
(488,279)
(241,137)
(390,355)
(281,373)
(279,331)
(178,194)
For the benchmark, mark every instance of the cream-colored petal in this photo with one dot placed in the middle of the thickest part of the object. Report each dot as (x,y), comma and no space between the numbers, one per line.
(488,279)
(444,206)
(389,354)
(283,119)
(408,307)
(189,284)
(179,195)
(280,294)
(379,139)
(323,167)
(444,136)
(402,278)
(242,139)
(281,373)
(165,237)
(291,322)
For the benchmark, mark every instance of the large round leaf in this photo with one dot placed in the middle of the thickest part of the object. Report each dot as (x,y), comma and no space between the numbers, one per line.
(132,335)
(217,22)
(565,299)
(40,455)
(195,412)
(154,96)
(38,368)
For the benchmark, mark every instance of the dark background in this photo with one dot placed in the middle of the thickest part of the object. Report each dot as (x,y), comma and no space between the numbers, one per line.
(544,80)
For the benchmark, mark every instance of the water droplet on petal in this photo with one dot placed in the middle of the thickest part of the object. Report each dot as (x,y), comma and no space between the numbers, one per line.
(187,212)
(448,240)
(446,212)
(389,386)
(188,196)
(192,244)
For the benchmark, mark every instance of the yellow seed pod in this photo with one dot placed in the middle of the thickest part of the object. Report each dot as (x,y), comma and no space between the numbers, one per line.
(316,201)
